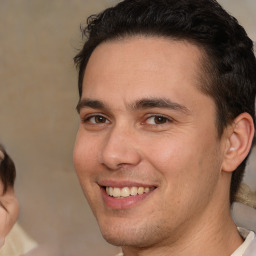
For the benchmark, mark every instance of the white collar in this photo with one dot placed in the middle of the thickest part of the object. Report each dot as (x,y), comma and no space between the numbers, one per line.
(249,236)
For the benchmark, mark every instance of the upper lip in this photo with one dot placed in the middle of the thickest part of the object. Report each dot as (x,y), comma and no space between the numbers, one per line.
(124,183)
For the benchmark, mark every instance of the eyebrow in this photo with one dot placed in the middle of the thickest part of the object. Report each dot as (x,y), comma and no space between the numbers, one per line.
(95,104)
(144,103)
(159,103)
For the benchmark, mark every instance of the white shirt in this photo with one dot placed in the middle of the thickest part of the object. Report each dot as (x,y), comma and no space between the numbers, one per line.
(248,247)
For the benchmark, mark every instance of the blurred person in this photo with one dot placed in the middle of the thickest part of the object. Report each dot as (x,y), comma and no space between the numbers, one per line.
(14,241)
(167,108)
(9,207)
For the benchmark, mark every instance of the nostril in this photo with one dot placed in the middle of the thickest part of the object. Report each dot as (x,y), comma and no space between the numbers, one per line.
(117,151)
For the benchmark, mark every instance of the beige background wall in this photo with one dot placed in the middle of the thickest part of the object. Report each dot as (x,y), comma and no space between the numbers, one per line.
(38,121)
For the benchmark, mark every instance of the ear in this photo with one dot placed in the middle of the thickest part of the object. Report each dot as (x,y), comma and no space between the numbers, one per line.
(238,142)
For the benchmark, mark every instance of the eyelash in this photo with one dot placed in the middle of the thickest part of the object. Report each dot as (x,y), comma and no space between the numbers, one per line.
(164,118)
(87,119)
(105,120)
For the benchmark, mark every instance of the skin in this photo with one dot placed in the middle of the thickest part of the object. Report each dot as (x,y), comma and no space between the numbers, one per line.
(121,141)
(9,208)
(9,211)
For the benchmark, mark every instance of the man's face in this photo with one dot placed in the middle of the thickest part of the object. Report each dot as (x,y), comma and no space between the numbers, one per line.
(147,152)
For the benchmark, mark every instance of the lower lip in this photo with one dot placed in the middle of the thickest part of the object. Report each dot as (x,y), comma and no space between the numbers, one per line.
(123,202)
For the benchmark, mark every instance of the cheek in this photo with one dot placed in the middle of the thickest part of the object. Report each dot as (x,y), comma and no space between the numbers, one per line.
(184,161)
(85,165)
(170,155)
(84,156)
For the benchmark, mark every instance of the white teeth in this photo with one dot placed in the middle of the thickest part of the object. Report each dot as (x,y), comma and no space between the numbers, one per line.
(146,190)
(140,190)
(126,192)
(111,190)
(116,192)
(134,191)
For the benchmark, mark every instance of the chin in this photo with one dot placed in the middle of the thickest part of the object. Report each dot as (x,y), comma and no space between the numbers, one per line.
(124,241)
(118,235)
(116,240)
(127,235)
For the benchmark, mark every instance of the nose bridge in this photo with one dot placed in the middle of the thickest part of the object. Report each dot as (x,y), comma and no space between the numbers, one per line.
(120,147)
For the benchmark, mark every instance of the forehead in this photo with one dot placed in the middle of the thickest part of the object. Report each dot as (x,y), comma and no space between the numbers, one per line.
(146,66)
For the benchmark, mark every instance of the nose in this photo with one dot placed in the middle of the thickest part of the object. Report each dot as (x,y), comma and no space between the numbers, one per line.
(120,149)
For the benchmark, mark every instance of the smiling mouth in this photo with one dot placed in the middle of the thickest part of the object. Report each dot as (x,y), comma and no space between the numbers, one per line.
(127,191)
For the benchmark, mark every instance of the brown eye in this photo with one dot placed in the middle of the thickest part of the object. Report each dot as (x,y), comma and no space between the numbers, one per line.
(153,120)
(98,119)
(160,120)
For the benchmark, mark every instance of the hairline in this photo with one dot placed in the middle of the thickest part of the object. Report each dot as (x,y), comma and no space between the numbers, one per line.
(205,67)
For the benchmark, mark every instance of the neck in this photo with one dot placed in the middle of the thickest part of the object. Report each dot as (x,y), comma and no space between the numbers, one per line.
(222,240)
(213,233)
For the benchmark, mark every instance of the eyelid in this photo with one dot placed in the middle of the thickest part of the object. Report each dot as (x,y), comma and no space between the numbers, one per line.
(87,117)
(169,120)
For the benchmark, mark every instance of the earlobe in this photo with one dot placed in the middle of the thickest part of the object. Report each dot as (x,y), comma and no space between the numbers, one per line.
(239,142)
